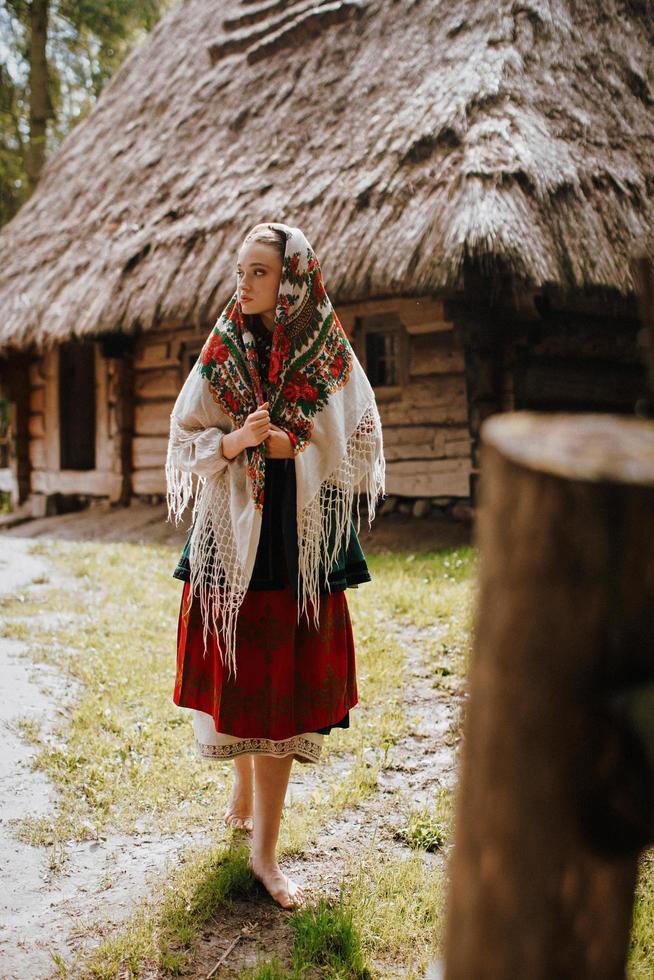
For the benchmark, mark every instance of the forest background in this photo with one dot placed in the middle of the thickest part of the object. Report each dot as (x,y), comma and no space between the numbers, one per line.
(56,56)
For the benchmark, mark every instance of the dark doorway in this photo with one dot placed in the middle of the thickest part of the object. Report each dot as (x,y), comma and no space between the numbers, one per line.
(77,405)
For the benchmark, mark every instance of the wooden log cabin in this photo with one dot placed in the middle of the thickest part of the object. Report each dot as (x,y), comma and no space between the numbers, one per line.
(96,412)
(475,238)
(98,409)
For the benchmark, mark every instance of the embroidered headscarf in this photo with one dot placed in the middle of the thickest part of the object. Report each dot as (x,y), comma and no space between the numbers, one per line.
(319,394)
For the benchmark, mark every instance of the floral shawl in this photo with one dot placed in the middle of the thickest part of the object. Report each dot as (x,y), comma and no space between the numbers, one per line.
(320,395)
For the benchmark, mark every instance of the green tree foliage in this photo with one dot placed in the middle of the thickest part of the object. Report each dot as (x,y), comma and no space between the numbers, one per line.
(55,57)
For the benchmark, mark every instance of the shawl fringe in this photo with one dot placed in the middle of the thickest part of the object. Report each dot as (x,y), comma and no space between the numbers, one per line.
(326,518)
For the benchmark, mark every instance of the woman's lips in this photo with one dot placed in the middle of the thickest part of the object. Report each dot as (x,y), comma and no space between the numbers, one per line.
(245,299)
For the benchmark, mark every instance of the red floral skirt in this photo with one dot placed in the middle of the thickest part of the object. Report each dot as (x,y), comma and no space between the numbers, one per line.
(291,678)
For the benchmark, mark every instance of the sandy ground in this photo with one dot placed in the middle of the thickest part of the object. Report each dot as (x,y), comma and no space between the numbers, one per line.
(63,908)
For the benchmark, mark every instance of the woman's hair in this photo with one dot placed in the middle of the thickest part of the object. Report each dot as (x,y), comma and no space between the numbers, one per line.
(268,236)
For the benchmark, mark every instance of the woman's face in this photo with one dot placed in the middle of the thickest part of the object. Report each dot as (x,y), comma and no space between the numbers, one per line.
(258,274)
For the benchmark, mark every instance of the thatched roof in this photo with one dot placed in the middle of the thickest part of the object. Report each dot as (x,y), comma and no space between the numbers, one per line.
(401,136)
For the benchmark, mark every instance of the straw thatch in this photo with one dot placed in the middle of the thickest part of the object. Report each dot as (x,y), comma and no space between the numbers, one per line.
(401,136)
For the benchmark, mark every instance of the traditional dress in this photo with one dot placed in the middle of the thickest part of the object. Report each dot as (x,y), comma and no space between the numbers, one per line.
(296,676)
(296,682)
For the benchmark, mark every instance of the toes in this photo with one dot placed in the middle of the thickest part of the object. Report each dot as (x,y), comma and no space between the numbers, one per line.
(295,892)
(238,823)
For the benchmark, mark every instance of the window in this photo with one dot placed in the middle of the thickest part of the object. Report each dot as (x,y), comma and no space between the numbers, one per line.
(383,358)
(384,348)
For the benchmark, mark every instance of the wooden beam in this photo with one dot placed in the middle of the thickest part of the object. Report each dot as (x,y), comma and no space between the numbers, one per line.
(418,314)
(428,477)
(95,483)
(149,481)
(51,416)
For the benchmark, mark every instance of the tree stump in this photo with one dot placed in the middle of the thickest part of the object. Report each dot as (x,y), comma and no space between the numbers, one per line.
(565,614)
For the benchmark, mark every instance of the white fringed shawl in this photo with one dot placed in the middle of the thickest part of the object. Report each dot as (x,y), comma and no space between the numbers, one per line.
(320,395)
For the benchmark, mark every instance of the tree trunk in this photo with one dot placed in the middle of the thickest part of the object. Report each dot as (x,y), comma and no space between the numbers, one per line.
(38,86)
(566,537)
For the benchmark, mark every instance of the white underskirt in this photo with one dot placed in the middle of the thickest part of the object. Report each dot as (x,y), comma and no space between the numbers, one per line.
(216,745)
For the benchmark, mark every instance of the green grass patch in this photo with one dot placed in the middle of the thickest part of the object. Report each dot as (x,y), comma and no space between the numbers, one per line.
(433,592)
(427,829)
(271,970)
(641,952)
(326,937)
(326,943)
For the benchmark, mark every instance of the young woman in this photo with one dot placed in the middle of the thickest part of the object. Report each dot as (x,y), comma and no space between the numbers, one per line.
(279,424)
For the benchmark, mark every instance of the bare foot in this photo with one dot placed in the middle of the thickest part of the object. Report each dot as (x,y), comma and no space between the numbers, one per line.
(238,814)
(284,890)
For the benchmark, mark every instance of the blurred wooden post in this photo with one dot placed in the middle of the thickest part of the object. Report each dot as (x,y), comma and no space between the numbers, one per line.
(566,601)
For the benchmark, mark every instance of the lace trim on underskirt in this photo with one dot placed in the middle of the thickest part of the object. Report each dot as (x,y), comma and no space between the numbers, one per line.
(297,744)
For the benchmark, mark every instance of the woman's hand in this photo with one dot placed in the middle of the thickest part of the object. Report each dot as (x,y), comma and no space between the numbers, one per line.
(278,444)
(254,430)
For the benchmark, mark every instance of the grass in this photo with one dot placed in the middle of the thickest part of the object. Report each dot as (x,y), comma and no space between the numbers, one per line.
(641,952)
(124,758)
(326,937)
(391,911)
(431,592)
(398,909)
(268,970)
(428,829)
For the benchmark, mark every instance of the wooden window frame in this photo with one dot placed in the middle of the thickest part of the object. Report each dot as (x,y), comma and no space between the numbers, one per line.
(386,322)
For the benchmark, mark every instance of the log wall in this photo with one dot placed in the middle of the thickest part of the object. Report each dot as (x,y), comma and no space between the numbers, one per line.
(161,364)
(461,362)
(543,351)
(425,421)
